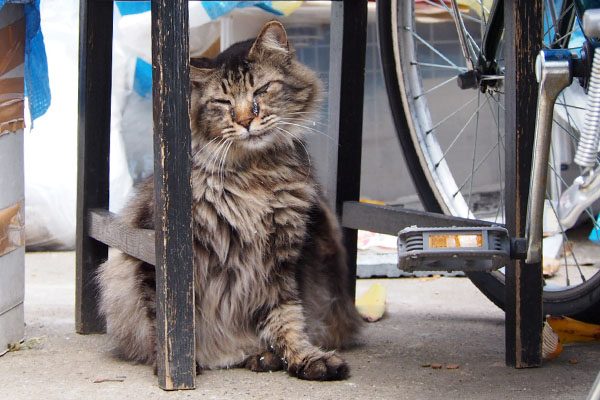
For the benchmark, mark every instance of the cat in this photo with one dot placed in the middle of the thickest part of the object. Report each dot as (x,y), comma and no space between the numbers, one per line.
(270,270)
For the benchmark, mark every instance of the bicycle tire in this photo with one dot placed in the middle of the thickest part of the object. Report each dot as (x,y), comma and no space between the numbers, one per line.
(580,302)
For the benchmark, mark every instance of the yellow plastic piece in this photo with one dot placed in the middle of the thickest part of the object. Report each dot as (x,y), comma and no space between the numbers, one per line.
(570,330)
(371,305)
(286,7)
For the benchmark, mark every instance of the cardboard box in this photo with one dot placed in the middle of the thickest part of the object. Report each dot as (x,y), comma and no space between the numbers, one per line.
(12,187)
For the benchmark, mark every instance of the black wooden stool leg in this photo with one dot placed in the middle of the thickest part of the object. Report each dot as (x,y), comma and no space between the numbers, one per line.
(346,90)
(523,21)
(172,193)
(95,55)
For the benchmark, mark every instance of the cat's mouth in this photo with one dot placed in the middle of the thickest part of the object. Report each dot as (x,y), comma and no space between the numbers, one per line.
(255,135)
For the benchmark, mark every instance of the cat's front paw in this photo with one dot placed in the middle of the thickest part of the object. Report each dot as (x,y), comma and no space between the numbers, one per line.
(264,362)
(328,367)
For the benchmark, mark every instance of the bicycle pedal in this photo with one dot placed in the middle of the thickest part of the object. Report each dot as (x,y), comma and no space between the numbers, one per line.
(453,249)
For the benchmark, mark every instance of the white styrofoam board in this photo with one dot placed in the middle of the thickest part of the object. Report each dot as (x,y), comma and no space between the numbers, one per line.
(12,327)
(12,181)
(12,279)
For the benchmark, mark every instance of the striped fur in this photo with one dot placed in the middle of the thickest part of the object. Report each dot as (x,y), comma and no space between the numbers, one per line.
(270,271)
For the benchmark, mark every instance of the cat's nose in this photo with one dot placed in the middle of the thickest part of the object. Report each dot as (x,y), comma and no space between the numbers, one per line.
(245,122)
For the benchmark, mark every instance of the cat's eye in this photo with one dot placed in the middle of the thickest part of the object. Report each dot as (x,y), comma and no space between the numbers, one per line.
(261,90)
(222,101)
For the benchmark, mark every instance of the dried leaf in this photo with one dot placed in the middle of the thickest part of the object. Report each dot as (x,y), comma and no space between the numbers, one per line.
(26,345)
(102,380)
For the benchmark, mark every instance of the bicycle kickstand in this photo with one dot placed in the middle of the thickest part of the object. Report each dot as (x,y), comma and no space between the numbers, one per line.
(553,72)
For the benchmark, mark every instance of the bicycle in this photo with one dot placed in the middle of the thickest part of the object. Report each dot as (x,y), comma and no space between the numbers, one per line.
(416,71)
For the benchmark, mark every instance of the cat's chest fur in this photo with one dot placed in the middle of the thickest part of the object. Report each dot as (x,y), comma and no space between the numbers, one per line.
(259,212)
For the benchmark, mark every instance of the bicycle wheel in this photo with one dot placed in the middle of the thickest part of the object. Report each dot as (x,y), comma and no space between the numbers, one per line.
(453,138)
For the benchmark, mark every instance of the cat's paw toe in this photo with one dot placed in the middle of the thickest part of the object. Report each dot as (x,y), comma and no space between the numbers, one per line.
(264,362)
(329,367)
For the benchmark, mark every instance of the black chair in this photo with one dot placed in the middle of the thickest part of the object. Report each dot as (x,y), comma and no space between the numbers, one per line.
(169,248)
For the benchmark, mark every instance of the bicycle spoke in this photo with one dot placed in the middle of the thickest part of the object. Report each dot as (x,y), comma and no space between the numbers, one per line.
(462,130)
(552,11)
(479,164)
(554,25)
(570,106)
(588,211)
(474,150)
(500,164)
(561,38)
(436,87)
(441,4)
(484,10)
(557,20)
(567,242)
(447,117)
(439,66)
(428,45)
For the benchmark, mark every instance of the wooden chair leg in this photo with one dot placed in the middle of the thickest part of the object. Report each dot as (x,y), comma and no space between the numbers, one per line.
(524,319)
(95,66)
(346,91)
(172,193)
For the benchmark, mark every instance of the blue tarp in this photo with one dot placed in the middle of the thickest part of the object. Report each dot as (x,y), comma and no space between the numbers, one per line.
(37,87)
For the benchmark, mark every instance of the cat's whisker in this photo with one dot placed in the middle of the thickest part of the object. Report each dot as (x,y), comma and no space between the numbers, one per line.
(303,146)
(302,118)
(308,122)
(222,167)
(305,113)
(214,159)
(294,137)
(213,154)
(307,127)
(220,159)
(203,147)
(312,117)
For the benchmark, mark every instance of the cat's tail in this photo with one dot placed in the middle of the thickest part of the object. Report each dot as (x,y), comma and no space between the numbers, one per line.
(344,326)
(127,301)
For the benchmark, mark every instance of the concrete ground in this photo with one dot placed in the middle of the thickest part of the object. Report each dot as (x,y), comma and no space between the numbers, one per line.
(428,321)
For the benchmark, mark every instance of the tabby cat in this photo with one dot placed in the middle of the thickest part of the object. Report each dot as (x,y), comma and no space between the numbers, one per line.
(269,267)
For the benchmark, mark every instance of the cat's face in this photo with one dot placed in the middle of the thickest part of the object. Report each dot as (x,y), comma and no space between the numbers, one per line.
(252,96)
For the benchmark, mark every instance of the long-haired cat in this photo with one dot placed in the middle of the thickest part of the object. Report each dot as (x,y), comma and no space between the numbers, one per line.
(269,267)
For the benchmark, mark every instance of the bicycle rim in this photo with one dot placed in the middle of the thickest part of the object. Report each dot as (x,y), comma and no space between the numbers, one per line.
(456,137)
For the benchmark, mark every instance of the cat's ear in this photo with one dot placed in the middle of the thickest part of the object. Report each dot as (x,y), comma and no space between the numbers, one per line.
(272,38)
(199,75)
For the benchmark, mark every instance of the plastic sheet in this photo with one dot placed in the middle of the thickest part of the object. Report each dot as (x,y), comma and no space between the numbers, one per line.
(12,228)
(12,54)
(51,146)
